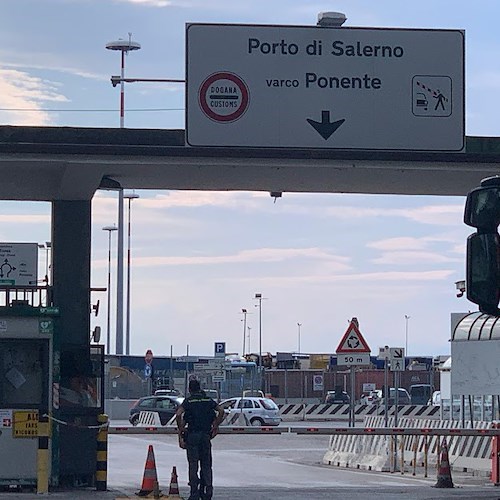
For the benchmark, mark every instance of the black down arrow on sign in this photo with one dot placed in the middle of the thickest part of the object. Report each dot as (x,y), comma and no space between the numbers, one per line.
(325,128)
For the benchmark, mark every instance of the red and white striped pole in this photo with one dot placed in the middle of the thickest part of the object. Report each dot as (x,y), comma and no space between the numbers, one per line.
(124,47)
(122,92)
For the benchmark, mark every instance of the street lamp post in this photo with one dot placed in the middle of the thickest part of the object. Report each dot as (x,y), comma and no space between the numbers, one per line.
(249,348)
(298,326)
(406,334)
(245,312)
(129,197)
(258,296)
(110,229)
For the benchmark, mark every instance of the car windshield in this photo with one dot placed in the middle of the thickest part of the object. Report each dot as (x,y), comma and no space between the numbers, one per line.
(268,404)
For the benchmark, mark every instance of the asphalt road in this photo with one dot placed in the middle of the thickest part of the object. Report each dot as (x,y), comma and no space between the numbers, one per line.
(276,467)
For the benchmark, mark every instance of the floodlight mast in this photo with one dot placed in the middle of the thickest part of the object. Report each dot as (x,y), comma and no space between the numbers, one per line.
(124,47)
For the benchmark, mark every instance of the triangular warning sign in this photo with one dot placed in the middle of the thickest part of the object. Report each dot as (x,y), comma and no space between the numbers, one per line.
(352,341)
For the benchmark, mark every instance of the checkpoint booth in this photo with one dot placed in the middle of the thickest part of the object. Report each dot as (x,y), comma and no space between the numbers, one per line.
(475,367)
(25,379)
(39,382)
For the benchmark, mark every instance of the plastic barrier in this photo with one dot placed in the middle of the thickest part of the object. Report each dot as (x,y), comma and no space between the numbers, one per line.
(468,447)
(291,412)
(148,418)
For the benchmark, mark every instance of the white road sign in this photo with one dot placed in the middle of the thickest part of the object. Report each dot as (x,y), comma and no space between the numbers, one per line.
(397,358)
(18,264)
(213,365)
(313,87)
(219,376)
(361,358)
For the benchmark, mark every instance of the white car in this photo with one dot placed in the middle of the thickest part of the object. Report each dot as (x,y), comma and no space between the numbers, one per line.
(259,411)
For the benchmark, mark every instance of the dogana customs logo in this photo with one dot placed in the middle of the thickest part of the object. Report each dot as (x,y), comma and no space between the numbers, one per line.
(224,97)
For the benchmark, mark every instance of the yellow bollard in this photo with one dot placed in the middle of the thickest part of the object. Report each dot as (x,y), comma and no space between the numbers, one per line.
(101,473)
(42,462)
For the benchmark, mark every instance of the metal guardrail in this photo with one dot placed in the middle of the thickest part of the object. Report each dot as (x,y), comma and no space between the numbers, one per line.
(32,295)
(344,431)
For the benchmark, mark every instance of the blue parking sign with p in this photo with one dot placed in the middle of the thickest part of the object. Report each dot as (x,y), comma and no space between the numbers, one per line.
(220,349)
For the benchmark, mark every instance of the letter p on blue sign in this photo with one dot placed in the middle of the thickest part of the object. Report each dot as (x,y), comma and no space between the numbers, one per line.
(220,349)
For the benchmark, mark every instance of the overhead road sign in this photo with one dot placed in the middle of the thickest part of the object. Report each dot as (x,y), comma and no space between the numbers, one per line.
(314,87)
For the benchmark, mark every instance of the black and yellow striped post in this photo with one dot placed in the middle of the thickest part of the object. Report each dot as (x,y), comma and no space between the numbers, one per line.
(42,464)
(101,474)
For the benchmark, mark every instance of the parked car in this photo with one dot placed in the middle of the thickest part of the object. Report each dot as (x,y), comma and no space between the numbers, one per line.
(253,394)
(337,397)
(420,394)
(168,392)
(403,396)
(212,393)
(259,411)
(370,398)
(165,406)
(435,399)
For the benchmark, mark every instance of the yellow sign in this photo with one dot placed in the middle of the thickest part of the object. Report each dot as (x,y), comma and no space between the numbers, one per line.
(25,424)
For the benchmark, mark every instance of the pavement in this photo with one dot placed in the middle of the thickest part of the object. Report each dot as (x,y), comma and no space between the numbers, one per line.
(467,486)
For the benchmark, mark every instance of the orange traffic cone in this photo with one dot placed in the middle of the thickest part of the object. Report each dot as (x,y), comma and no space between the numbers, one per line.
(444,472)
(173,491)
(150,478)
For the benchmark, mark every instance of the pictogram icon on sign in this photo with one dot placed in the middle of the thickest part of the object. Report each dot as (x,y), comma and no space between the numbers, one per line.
(223,97)
(352,341)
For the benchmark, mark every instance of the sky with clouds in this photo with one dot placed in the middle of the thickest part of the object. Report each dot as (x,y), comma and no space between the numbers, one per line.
(198,258)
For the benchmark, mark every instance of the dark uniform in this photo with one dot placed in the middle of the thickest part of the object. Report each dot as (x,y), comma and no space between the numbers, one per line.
(200,414)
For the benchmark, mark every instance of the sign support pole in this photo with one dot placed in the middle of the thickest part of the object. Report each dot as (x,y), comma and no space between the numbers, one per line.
(351,409)
(396,403)
(386,392)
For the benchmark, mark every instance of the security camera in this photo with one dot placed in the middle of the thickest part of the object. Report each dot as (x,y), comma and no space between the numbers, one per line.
(460,286)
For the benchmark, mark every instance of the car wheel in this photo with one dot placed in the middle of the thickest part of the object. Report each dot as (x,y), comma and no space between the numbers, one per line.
(134,420)
(257,422)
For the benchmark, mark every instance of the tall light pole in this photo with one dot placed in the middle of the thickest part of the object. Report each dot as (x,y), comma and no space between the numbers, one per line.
(129,197)
(124,47)
(258,296)
(406,333)
(245,312)
(110,229)
(298,326)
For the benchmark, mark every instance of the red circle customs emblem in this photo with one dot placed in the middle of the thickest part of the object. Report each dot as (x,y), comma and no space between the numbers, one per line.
(224,97)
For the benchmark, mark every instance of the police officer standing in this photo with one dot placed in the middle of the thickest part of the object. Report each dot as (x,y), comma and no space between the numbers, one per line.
(198,420)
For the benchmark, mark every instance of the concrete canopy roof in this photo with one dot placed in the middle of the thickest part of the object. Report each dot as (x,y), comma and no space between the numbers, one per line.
(62,163)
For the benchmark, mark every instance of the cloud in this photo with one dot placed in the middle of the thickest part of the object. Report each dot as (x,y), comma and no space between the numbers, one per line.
(408,258)
(19,90)
(406,243)
(18,219)
(260,256)
(150,3)
(329,206)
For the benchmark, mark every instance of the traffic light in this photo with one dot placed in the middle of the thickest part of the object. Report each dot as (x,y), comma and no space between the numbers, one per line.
(482,211)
